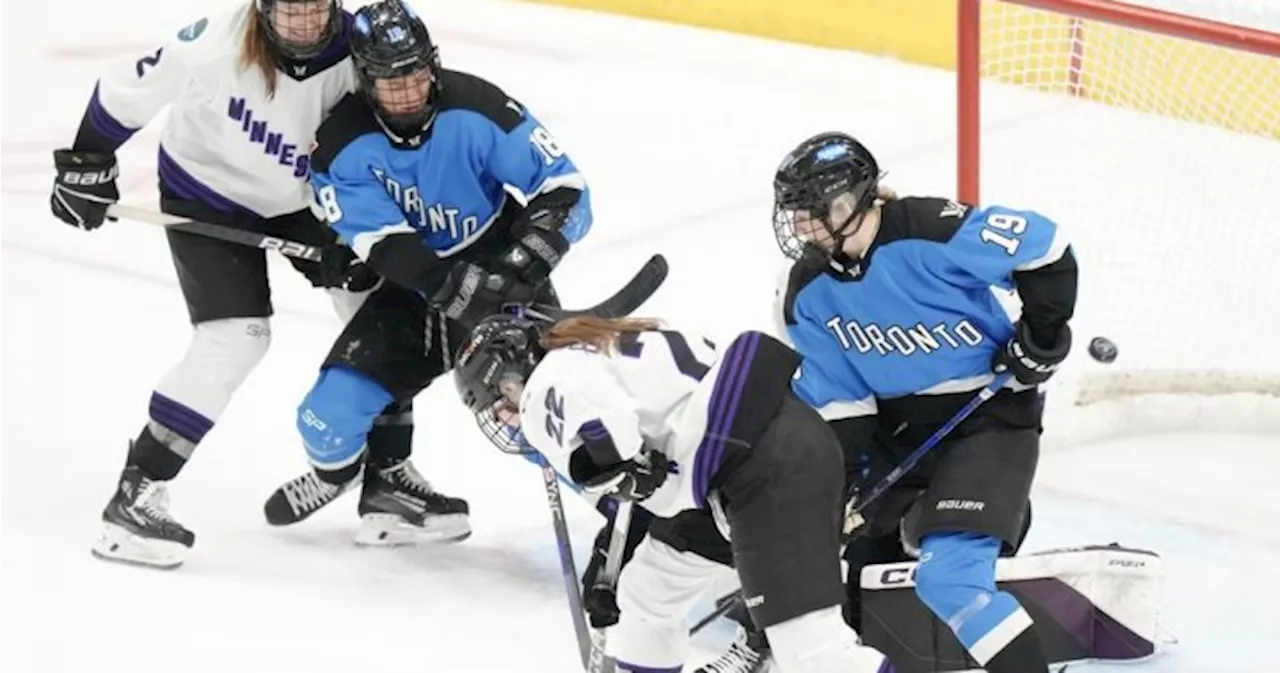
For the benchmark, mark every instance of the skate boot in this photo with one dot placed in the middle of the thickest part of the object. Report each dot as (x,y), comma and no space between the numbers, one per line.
(399,507)
(749,654)
(301,497)
(137,527)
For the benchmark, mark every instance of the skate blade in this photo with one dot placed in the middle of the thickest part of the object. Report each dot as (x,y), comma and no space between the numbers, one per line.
(389,530)
(121,546)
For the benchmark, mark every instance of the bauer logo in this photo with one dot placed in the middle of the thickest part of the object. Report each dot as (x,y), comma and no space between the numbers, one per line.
(962,505)
(273,142)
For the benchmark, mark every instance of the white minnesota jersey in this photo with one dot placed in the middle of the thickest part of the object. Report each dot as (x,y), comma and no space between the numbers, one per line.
(227,142)
(665,390)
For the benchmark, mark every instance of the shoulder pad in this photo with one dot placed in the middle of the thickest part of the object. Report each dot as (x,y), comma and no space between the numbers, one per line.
(926,218)
(350,119)
(798,278)
(463,91)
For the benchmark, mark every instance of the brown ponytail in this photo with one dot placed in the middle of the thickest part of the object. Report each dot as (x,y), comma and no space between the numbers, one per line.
(256,51)
(599,332)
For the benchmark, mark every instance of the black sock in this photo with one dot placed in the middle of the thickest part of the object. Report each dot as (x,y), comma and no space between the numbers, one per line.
(390,440)
(156,460)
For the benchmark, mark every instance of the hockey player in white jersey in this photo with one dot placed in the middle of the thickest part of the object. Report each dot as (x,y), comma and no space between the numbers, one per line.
(633,412)
(247,90)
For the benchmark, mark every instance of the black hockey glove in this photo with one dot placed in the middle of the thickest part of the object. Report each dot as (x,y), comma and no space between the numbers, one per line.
(599,600)
(472,293)
(339,267)
(1030,362)
(632,480)
(534,254)
(85,186)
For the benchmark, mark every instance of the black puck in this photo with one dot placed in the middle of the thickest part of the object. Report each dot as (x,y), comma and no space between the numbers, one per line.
(1103,350)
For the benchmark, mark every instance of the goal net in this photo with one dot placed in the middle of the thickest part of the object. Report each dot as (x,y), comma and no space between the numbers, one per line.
(1153,136)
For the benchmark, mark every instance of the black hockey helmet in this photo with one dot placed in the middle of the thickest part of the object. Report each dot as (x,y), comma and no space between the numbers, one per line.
(278,19)
(822,169)
(490,371)
(390,42)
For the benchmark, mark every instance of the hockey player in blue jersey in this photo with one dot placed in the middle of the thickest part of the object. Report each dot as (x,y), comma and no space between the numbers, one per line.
(892,305)
(413,173)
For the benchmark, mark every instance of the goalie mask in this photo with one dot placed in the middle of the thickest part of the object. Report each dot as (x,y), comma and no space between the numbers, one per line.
(398,68)
(490,371)
(300,30)
(822,191)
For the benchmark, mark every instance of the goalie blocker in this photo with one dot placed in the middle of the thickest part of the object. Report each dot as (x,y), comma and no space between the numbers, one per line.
(1097,603)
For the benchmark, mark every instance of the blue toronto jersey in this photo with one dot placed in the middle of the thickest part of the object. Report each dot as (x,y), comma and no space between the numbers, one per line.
(450,188)
(922,313)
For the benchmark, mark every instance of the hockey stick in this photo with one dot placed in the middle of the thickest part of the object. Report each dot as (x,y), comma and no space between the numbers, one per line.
(568,570)
(624,302)
(724,604)
(231,234)
(911,460)
(599,662)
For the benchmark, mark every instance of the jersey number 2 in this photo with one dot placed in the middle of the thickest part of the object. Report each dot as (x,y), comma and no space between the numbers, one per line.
(555,415)
(1003,222)
(629,345)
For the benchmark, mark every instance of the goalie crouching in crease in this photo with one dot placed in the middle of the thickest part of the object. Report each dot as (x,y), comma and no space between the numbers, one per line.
(657,417)
(411,173)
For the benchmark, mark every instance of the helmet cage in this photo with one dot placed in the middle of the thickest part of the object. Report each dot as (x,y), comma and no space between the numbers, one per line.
(811,179)
(389,41)
(490,371)
(294,50)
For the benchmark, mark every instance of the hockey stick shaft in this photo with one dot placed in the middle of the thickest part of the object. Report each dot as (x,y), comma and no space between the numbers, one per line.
(723,605)
(568,570)
(938,435)
(598,661)
(283,246)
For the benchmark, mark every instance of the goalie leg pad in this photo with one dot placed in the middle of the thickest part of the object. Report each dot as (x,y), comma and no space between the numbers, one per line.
(334,420)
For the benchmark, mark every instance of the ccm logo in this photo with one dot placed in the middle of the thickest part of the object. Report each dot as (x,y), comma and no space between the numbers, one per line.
(90,179)
(894,576)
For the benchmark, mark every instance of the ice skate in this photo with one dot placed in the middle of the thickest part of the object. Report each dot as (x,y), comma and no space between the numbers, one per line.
(749,654)
(301,497)
(399,507)
(137,527)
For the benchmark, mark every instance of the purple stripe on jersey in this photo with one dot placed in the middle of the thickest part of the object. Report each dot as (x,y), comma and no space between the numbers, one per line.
(189,425)
(715,408)
(181,184)
(593,429)
(624,667)
(725,399)
(104,123)
(886,666)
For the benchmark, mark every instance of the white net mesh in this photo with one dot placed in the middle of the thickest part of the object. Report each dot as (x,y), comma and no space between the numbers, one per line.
(1162,157)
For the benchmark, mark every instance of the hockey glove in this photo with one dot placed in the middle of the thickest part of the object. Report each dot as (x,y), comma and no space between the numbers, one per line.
(85,186)
(472,293)
(339,267)
(632,480)
(599,599)
(535,253)
(1030,363)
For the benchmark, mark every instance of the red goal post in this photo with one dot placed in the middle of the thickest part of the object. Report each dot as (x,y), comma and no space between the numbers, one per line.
(1155,137)
(969,56)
